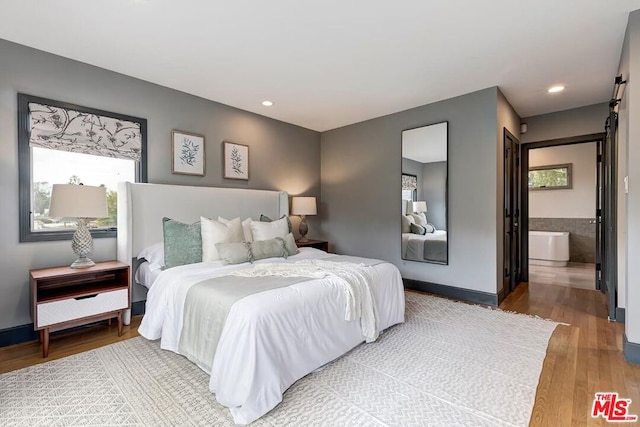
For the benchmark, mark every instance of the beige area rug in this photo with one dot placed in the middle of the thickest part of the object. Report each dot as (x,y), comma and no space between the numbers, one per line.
(449,364)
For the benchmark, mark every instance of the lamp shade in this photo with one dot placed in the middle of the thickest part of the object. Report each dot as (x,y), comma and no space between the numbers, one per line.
(303,206)
(419,206)
(78,201)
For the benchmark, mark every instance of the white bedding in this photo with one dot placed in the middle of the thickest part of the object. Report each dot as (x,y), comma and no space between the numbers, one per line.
(273,338)
(146,275)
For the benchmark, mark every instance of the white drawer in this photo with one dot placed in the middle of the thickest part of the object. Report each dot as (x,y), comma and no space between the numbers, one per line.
(53,312)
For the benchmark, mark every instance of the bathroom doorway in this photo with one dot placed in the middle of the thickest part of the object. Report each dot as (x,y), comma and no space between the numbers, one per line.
(593,247)
(562,215)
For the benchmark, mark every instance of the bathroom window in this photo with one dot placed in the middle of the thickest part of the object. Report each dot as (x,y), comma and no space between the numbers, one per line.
(551,177)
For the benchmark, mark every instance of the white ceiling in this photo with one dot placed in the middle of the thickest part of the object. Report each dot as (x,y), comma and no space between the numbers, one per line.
(426,144)
(330,63)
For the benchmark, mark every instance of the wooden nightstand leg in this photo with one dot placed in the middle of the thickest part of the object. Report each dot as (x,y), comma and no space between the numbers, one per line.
(120,323)
(44,333)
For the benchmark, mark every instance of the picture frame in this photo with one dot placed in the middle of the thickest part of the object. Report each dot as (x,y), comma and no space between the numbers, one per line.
(187,153)
(236,161)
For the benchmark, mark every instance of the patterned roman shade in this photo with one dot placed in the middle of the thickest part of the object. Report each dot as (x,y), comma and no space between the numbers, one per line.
(62,129)
(409,182)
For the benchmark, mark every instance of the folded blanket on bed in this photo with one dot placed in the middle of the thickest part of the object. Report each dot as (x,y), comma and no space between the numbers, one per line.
(356,280)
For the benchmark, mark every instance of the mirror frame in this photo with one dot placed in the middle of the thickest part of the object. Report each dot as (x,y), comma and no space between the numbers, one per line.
(446,192)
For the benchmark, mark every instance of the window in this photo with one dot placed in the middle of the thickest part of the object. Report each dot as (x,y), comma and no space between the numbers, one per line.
(409,187)
(552,177)
(62,143)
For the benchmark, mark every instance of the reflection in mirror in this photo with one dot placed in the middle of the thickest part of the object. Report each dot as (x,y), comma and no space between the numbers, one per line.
(424,194)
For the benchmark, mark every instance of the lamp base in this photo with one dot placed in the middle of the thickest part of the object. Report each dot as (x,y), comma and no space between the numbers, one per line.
(304,228)
(82,245)
(82,262)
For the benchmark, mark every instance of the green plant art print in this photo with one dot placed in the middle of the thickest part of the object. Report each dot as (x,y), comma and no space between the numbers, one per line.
(236,161)
(188,153)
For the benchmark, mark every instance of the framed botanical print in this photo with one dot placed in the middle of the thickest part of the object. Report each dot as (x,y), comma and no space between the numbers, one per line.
(236,161)
(187,153)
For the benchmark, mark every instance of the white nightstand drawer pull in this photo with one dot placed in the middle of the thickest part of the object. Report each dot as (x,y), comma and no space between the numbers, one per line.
(53,312)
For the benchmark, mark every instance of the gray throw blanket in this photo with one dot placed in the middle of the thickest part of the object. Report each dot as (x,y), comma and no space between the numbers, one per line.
(436,249)
(207,306)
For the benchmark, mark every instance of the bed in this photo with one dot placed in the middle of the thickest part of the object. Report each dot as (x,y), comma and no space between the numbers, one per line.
(425,247)
(270,339)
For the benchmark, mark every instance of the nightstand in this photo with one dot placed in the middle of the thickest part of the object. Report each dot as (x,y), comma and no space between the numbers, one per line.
(64,297)
(318,244)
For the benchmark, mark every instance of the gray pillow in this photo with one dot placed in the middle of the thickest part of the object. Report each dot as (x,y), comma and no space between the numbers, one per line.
(417,229)
(268,248)
(239,252)
(234,252)
(429,228)
(265,218)
(182,243)
(290,244)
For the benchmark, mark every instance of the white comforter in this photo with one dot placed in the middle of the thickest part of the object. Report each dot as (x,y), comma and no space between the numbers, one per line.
(273,338)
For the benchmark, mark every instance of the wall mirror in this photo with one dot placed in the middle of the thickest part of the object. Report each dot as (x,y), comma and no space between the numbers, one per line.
(424,194)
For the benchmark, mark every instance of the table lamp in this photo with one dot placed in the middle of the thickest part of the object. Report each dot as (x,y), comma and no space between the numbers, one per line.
(420,207)
(80,202)
(303,206)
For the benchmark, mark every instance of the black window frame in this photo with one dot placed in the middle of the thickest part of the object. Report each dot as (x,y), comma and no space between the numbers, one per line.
(24,166)
(567,186)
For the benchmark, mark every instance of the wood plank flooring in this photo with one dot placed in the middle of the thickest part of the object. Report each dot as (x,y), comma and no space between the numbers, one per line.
(583,358)
(575,275)
(66,343)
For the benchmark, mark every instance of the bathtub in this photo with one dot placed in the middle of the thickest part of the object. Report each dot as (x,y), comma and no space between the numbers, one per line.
(550,248)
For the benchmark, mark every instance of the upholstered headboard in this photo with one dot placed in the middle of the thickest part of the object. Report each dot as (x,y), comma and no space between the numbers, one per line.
(141,208)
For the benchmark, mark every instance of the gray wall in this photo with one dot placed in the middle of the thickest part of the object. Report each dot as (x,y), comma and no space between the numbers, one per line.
(361,166)
(434,188)
(629,142)
(562,124)
(282,156)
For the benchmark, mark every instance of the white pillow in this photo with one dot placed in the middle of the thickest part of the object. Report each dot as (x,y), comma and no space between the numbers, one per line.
(407,220)
(215,232)
(269,230)
(154,255)
(419,218)
(246,230)
(235,226)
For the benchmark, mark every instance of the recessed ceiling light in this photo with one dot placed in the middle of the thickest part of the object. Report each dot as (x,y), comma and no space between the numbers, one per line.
(555,89)
(267,103)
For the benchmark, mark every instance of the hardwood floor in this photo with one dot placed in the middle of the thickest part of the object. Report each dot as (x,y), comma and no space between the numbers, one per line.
(583,357)
(66,343)
(575,275)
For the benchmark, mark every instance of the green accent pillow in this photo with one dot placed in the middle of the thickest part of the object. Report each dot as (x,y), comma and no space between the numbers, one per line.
(265,218)
(417,229)
(182,243)
(235,252)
